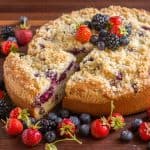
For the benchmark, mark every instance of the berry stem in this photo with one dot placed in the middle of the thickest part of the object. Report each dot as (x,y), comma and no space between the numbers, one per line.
(74,138)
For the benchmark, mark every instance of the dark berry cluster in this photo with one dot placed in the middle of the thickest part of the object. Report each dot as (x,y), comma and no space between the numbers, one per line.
(49,124)
(7,31)
(110,33)
(5,108)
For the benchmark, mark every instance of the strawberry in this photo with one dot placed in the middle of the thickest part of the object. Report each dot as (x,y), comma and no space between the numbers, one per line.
(115,20)
(1,94)
(83,34)
(7,46)
(66,128)
(144,131)
(100,128)
(15,113)
(13,126)
(23,36)
(116,121)
(31,137)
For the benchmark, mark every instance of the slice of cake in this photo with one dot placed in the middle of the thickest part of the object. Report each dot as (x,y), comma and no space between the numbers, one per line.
(38,82)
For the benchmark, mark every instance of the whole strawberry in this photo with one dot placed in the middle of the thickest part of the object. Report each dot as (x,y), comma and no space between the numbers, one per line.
(116,121)
(15,113)
(83,34)
(31,137)
(144,131)
(13,126)
(100,128)
(7,46)
(24,34)
(115,20)
(66,128)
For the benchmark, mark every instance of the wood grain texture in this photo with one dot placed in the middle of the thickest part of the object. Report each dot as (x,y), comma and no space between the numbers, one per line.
(39,12)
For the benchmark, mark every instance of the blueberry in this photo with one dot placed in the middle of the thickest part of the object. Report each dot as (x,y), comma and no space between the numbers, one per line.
(63,113)
(85,118)
(94,39)
(101,45)
(52,116)
(84,130)
(33,120)
(102,33)
(75,120)
(50,136)
(12,39)
(124,40)
(148,146)
(23,19)
(135,124)
(88,23)
(126,136)
(58,120)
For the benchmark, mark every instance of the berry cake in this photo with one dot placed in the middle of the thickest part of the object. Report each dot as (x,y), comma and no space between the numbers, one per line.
(111,47)
(38,82)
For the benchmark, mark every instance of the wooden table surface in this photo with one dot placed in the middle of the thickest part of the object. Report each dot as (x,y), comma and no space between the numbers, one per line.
(39,12)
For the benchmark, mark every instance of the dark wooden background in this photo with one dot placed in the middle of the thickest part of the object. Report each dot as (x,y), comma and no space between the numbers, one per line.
(39,11)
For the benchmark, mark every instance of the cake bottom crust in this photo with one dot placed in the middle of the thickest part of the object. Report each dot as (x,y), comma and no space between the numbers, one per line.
(126,104)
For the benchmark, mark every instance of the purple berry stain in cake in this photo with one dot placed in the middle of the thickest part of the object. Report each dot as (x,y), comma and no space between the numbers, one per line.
(54,82)
(119,76)
(77,51)
(146,28)
(48,94)
(135,87)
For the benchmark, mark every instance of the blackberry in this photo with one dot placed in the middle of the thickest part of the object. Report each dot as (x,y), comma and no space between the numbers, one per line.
(99,21)
(88,23)
(6,32)
(112,41)
(94,39)
(5,108)
(45,126)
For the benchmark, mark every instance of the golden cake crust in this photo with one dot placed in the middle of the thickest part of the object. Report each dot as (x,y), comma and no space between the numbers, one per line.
(88,97)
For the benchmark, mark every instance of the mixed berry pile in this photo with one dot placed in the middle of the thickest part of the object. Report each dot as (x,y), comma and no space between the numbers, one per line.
(109,32)
(14,37)
(62,125)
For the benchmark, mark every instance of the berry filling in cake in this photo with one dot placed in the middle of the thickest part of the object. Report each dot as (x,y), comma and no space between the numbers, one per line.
(45,75)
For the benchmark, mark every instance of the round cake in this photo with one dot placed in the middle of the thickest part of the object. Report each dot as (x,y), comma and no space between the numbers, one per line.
(111,67)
